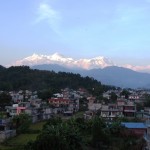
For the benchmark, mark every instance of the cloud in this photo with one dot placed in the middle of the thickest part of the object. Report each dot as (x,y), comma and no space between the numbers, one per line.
(46,13)
(138,68)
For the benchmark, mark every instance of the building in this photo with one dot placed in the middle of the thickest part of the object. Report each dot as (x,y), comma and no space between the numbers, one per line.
(111,111)
(129,109)
(5,131)
(137,129)
(59,102)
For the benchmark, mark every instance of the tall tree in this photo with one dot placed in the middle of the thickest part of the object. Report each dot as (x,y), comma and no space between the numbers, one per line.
(5,99)
(113,97)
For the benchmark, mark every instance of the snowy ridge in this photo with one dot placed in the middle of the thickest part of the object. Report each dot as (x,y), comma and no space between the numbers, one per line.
(35,59)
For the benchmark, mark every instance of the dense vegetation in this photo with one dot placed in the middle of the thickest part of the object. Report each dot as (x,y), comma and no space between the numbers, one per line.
(21,123)
(22,77)
(80,134)
(5,99)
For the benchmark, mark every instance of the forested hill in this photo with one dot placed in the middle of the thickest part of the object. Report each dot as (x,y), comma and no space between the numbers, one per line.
(22,77)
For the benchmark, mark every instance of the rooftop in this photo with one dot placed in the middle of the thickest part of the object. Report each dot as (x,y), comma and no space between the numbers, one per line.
(135,125)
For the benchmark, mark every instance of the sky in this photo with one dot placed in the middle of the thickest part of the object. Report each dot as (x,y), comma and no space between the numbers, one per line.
(116,29)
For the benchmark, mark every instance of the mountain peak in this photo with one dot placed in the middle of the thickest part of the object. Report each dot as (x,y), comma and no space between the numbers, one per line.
(56,58)
(57,55)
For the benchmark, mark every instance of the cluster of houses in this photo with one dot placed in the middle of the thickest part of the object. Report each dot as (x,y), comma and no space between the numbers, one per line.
(122,108)
(29,103)
(68,102)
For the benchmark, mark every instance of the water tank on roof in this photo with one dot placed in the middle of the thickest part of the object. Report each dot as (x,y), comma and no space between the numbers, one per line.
(15,105)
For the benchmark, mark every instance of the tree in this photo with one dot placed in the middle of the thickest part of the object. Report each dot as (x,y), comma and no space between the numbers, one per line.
(83,104)
(45,94)
(57,135)
(116,128)
(21,122)
(147,100)
(113,97)
(79,134)
(5,99)
(100,133)
(139,106)
(125,93)
(22,77)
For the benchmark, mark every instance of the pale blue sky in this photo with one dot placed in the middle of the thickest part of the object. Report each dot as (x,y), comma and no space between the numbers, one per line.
(117,29)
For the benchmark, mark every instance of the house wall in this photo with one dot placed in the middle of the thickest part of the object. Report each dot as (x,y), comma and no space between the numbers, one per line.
(20,110)
(7,134)
(137,132)
(129,114)
(104,113)
(129,107)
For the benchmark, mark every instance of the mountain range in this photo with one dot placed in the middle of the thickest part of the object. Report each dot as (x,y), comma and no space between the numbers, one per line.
(99,68)
(35,59)
(112,75)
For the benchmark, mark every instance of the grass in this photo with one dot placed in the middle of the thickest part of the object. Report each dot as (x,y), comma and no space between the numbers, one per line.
(2,114)
(6,148)
(37,126)
(79,114)
(17,142)
(22,139)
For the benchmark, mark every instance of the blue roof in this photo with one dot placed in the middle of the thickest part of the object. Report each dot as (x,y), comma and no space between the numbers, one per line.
(135,125)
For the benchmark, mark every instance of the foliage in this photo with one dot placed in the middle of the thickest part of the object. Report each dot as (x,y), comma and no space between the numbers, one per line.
(125,93)
(139,106)
(22,77)
(116,128)
(113,97)
(45,94)
(78,133)
(147,100)
(84,127)
(37,126)
(52,121)
(71,135)
(126,119)
(57,135)
(5,99)
(100,133)
(3,114)
(18,142)
(21,122)
(83,104)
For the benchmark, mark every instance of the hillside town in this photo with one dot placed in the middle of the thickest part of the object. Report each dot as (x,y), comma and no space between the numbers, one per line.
(69,102)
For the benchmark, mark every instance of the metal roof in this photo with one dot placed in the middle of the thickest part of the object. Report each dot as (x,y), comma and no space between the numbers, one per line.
(134,125)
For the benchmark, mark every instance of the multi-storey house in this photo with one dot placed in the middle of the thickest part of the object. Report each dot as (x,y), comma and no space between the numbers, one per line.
(129,109)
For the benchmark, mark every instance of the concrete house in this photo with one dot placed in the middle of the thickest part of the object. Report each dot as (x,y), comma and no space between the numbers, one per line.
(137,129)
(5,131)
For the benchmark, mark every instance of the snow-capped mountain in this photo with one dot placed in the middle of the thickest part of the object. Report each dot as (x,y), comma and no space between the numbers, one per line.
(100,68)
(35,59)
